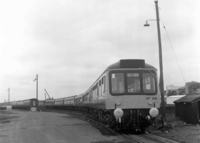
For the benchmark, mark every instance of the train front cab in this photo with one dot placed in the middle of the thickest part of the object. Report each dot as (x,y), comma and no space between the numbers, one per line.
(133,96)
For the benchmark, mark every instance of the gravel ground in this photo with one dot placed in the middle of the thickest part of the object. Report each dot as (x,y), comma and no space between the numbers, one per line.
(51,127)
(181,132)
(176,130)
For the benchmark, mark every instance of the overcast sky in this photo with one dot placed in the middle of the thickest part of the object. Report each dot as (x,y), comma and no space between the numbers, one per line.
(69,43)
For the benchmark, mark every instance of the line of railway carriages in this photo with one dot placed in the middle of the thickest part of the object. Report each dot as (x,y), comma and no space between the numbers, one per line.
(125,96)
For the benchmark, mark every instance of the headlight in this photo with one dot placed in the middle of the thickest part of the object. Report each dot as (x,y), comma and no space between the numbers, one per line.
(118,113)
(153,112)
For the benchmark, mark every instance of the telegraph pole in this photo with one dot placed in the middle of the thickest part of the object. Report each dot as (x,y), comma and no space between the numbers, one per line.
(37,86)
(161,83)
(8,94)
(36,80)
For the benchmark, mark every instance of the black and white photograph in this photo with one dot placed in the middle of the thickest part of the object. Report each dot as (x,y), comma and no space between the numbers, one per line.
(99,71)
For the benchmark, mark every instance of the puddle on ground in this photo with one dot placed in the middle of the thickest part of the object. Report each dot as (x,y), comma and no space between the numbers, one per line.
(76,124)
(7,119)
(114,141)
(69,117)
(3,135)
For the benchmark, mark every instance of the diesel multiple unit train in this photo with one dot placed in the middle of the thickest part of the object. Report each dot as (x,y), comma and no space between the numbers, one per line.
(124,96)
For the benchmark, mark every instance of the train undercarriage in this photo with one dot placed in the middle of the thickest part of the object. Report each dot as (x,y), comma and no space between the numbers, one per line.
(133,120)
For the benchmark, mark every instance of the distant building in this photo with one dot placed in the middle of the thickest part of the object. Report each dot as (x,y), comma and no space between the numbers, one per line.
(192,88)
(175,90)
(187,101)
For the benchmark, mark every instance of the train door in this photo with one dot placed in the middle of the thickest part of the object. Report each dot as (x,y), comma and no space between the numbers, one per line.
(199,111)
(103,86)
(33,104)
(90,96)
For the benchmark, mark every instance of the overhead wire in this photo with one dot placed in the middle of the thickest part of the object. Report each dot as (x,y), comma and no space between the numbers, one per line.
(176,57)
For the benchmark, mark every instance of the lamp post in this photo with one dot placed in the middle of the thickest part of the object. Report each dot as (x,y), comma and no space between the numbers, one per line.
(36,80)
(161,82)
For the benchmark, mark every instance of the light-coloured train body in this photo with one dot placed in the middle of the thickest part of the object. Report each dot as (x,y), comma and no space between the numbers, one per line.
(127,84)
(128,87)
(126,93)
(24,104)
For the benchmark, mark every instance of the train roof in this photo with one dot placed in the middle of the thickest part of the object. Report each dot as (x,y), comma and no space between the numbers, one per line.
(130,63)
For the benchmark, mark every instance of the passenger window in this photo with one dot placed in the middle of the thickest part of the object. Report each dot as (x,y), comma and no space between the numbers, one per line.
(117,83)
(97,89)
(133,82)
(100,86)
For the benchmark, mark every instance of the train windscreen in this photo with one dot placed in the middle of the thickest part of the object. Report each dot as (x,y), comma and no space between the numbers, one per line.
(132,82)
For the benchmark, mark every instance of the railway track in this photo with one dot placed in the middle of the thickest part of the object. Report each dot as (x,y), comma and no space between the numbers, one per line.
(132,138)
